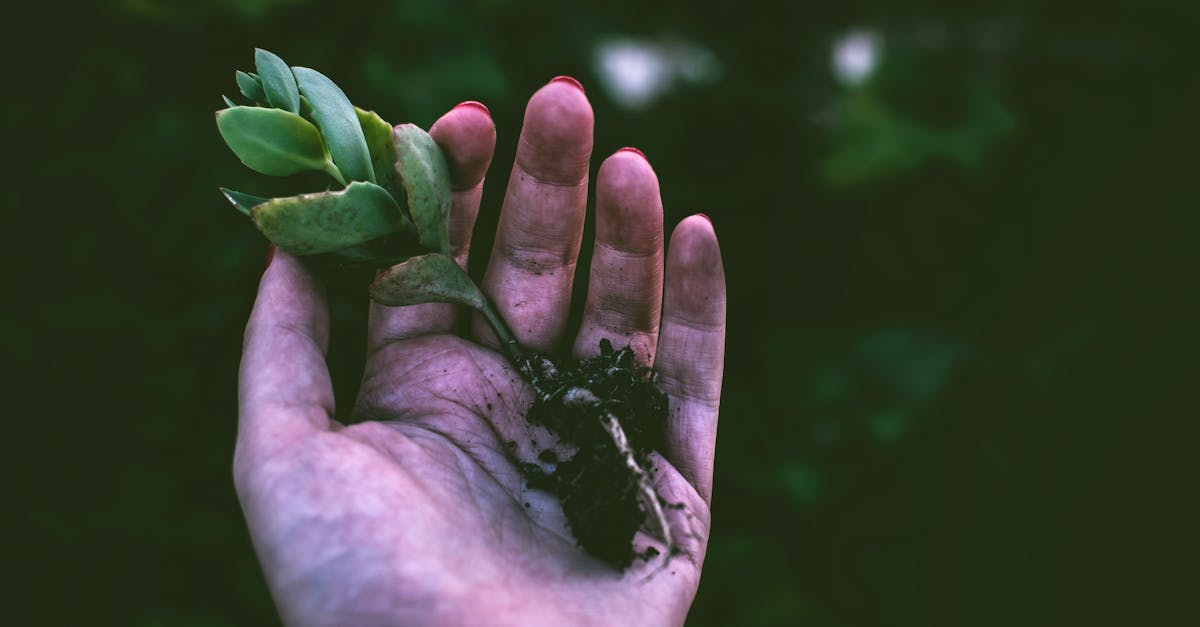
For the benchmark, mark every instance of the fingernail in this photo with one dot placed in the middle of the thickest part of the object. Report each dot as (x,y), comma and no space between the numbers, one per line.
(634,150)
(705,216)
(570,81)
(270,256)
(476,105)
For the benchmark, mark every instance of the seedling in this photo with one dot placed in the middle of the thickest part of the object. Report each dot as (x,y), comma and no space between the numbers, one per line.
(390,206)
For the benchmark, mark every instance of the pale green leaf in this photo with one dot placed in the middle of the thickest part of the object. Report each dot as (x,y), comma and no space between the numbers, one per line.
(329,221)
(429,278)
(250,87)
(335,116)
(378,134)
(242,202)
(277,81)
(425,177)
(272,141)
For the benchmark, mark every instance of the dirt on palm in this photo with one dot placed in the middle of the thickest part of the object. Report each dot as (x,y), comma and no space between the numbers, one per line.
(610,411)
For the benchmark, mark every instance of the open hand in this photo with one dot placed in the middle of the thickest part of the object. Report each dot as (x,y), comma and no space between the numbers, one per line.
(418,515)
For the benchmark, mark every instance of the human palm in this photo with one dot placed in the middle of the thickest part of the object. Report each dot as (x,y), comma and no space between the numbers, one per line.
(417,514)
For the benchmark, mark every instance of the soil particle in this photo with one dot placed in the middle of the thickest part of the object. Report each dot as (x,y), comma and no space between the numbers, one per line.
(649,554)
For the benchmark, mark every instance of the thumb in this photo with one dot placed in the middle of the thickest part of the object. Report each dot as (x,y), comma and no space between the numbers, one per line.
(284,389)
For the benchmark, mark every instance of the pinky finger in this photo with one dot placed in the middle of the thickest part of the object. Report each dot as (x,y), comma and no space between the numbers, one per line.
(691,349)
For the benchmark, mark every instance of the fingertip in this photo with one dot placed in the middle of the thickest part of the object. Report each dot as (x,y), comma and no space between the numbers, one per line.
(557,134)
(283,266)
(696,221)
(627,158)
(467,136)
(694,243)
(290,294)
(695,280)
(627,172)
(561,107)
(631,149)
(568,80)
(629,207)
(474,104)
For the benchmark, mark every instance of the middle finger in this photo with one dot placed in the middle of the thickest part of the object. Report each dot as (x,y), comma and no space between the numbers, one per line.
(532,267)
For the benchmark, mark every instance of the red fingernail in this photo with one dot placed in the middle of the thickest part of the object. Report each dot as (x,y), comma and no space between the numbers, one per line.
(705,216)
(633,150)
(567,79)
(270,256)
(475,104)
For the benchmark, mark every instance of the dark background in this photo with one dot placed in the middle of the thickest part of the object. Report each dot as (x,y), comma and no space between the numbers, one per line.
(961,345)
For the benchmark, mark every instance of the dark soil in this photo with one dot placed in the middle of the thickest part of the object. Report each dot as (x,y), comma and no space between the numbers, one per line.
(605,486)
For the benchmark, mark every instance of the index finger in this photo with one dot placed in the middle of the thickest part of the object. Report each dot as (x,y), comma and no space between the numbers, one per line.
(467,137)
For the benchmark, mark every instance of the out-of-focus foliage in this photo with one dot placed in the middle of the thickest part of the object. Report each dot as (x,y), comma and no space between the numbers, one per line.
(960,242)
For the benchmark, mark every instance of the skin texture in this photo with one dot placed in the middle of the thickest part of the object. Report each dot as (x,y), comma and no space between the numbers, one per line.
(418,515)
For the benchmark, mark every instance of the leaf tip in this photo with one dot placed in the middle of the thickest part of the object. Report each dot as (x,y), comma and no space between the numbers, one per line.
(233,201)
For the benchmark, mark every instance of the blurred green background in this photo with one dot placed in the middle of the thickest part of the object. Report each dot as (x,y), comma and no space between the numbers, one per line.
(959,240)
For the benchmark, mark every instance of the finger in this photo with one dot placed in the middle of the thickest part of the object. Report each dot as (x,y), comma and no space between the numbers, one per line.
(284,389)
(625,287)
(467,136)
(691,349)
(530,272)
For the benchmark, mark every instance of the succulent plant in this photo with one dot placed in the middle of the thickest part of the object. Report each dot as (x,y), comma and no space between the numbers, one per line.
(391,204)
(391,207)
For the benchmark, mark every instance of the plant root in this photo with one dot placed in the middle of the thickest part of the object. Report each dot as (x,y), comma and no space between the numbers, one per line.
(648,496)
(609,411)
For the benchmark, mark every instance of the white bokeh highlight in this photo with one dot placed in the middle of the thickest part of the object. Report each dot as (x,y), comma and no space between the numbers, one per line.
(635,73)
(855,56)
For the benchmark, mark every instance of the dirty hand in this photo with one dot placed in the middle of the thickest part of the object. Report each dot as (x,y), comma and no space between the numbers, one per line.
(417,515)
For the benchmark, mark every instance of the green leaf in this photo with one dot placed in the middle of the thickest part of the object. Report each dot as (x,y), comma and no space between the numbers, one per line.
(277,81)
(229,102)
(429,278)
(378,134)
(329,221)
(250,87)
(385,250)
(426,181)
(334,114)
(272,141)
(357,254)
(242,202)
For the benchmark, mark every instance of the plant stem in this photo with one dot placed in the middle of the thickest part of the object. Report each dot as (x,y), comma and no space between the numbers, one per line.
(503,333)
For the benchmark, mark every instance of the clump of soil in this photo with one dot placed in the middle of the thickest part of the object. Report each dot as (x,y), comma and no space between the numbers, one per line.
(610,412)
